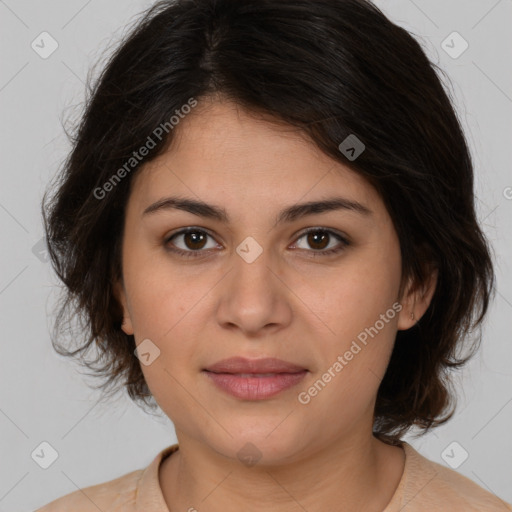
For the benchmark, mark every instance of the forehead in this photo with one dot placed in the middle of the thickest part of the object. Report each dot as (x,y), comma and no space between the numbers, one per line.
(224,153)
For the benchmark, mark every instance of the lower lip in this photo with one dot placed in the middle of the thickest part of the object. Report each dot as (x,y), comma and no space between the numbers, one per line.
(255,388)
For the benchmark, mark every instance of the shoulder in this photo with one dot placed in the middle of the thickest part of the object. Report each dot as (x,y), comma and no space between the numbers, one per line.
(432,486)
(138,490)
(112,496)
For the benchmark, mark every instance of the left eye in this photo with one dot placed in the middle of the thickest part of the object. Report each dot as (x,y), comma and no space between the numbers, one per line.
(319,239)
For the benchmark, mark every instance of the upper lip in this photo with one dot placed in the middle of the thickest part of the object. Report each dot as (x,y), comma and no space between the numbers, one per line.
(243,365)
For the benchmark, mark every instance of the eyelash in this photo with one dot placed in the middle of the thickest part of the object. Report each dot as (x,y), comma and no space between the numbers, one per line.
(315,254)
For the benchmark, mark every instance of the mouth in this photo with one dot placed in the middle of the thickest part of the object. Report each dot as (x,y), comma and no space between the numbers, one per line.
(242,366)
(256,379)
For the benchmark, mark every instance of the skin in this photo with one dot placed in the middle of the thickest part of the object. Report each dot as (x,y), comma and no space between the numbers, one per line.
(285,304)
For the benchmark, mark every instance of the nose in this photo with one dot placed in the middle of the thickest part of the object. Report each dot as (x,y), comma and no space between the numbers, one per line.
(253,297)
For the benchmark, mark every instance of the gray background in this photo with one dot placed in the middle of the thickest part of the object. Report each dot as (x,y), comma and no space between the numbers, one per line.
(44,398)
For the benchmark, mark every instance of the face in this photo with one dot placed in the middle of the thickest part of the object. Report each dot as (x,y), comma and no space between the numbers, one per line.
(317,288)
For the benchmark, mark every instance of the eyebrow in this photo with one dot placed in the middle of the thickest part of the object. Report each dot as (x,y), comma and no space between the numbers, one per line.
(289,214)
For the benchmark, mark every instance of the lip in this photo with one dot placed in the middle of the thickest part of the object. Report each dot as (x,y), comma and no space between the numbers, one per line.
(243,365)
(254,379)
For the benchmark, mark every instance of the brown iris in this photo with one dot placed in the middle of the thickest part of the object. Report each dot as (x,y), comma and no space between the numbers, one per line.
(197,239)
(318,237)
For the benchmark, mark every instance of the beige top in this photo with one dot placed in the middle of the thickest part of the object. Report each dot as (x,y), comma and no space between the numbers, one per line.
(425,486)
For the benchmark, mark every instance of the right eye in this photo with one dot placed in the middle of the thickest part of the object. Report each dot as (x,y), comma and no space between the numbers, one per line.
(193,240)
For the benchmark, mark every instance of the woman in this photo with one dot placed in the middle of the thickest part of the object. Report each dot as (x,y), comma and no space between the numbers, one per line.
(292,346)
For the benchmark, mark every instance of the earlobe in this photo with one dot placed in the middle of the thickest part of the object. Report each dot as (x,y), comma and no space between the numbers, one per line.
(416,302)
(126,325)
(120,295)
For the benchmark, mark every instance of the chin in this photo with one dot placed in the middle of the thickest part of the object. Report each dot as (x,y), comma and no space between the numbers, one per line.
(263,442)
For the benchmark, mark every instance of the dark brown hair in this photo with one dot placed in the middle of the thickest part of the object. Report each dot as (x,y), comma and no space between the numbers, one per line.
(332,68)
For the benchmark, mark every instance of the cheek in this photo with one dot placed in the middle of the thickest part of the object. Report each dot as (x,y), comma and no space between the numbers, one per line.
(356,299)
(362,314)
(174,394)
(347,384)
(159,296)
(169,311)
(168,375)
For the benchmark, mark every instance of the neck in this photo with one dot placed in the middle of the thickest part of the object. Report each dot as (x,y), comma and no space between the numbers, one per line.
(360,473)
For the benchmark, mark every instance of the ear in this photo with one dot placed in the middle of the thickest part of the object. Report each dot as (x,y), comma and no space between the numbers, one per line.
(415,301)
(120,295)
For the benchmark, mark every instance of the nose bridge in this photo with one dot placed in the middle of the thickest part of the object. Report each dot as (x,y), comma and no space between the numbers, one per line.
(252,295)
(252,272)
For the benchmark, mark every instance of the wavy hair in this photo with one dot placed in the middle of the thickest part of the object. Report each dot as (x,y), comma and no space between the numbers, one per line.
(331,68)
